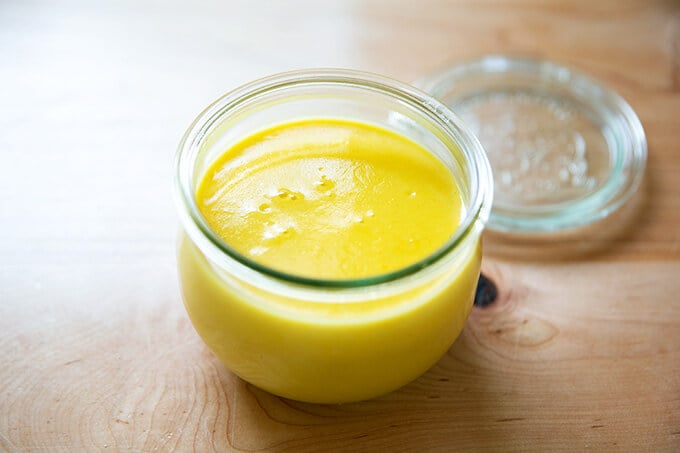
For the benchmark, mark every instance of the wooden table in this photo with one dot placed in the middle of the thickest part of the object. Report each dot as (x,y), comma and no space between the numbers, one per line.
(580,352)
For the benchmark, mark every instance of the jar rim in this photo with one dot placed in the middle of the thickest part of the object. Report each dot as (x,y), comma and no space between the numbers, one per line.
(446,121)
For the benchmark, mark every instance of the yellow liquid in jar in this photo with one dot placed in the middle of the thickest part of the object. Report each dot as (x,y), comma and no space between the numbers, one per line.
(329,199)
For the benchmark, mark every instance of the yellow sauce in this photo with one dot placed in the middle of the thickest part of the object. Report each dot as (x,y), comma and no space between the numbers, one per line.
(329,199)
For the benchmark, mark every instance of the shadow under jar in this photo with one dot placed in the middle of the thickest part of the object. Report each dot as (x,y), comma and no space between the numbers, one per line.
(324,340)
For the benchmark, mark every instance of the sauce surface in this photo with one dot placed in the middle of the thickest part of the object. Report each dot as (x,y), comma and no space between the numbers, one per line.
(330,199)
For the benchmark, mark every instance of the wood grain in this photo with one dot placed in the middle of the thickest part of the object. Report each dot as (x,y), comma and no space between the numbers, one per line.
(581,351)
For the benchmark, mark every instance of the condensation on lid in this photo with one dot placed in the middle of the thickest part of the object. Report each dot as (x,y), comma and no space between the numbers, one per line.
(565,150)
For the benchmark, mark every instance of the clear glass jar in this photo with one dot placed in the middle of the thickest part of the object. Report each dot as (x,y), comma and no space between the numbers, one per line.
(329,341)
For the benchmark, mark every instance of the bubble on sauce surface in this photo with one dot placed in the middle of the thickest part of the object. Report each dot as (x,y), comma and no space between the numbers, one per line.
(324,184)
(287,194)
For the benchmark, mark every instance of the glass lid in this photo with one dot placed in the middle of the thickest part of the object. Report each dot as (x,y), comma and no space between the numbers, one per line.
(565,150)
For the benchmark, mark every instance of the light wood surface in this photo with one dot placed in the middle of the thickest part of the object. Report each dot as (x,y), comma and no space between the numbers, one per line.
(581,351)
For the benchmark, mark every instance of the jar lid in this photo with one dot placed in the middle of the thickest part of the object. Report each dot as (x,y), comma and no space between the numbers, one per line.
(565,150)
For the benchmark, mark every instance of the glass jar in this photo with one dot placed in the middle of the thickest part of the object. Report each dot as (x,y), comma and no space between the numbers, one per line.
(329,341)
